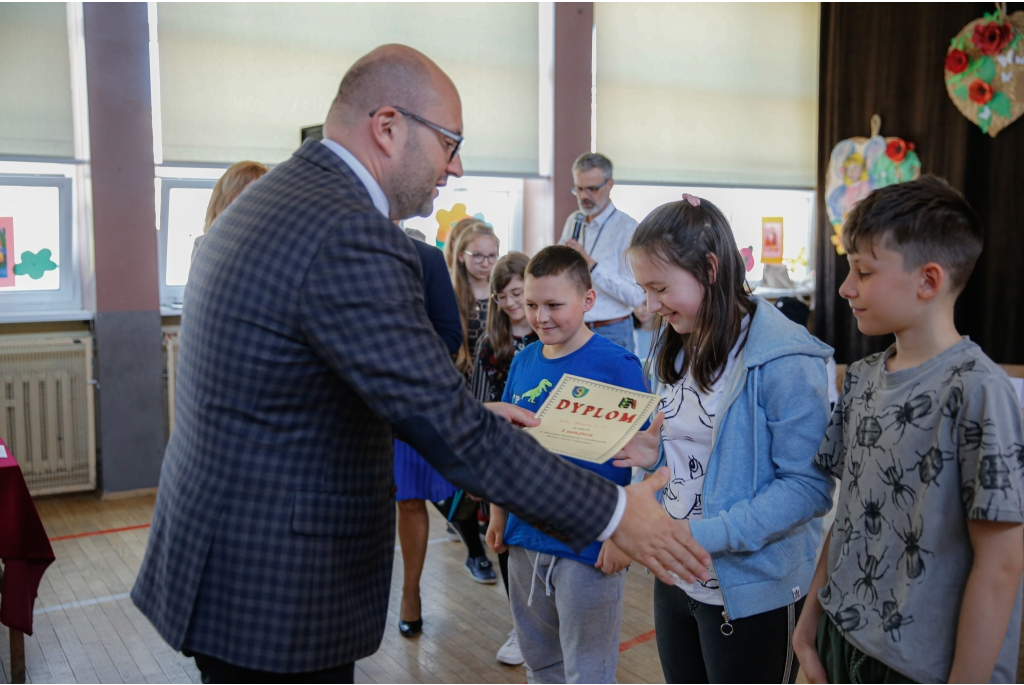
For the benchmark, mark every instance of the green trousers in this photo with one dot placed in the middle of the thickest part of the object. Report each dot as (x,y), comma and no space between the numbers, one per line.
(844,663)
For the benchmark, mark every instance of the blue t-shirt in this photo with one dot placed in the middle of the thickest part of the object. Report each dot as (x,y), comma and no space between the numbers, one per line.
(599,360)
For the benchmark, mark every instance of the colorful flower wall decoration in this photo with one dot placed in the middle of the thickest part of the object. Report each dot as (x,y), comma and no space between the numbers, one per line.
(985,70)
(447,218)
(858,166)
(35,264)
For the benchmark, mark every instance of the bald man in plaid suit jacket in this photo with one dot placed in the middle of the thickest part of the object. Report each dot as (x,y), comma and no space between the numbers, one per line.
(304,345)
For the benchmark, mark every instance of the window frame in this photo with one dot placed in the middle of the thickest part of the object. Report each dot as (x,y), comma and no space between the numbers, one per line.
(65,303)
(172,296)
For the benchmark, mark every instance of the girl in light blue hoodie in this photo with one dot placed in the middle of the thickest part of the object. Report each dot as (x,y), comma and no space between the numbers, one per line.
(744,407)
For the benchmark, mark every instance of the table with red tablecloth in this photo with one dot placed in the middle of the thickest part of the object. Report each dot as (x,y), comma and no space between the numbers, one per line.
(24,549)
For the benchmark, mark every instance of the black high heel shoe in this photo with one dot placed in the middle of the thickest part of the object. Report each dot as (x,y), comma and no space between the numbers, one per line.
(410,628)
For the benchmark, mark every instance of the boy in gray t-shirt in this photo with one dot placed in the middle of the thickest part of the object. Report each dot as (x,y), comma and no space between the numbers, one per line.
(920,578)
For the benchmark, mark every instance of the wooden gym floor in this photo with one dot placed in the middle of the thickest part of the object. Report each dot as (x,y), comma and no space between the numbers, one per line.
(88,630)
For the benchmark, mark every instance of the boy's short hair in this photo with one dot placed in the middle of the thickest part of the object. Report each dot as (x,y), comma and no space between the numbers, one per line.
(556,260)
(925,220)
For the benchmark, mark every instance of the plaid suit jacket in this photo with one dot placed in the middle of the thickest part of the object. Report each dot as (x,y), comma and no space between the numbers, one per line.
(304,341)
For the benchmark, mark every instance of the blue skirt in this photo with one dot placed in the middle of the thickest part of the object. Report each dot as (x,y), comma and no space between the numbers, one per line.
(416,479)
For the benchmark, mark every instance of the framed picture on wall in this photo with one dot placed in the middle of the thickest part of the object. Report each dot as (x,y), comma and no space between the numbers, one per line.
(771,240)
(6,252)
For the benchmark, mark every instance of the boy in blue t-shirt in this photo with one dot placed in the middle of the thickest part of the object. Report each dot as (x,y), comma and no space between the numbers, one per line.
(567,607)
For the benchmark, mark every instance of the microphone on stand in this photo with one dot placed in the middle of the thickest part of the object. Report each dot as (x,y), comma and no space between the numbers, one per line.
(576,228)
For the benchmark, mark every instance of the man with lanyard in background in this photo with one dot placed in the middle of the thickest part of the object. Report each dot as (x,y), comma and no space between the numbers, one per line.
(601,233)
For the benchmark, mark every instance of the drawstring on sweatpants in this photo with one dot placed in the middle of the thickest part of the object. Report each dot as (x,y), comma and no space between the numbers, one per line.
(546,579)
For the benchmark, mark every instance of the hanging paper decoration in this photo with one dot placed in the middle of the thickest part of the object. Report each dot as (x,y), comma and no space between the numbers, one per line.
(985,70)
(858,166)
(6,252)
(771,239)
(447,218)
(748,257)
(35,264)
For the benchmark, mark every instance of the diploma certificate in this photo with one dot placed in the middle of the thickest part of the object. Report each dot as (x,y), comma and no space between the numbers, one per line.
(592,421)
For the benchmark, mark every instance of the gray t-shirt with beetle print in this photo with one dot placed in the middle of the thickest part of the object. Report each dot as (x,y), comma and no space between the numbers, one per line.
(919,452)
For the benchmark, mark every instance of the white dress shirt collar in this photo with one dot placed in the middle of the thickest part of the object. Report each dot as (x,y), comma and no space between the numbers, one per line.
(380,200)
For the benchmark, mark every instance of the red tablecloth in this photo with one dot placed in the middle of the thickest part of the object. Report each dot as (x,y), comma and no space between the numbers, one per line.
(24,547)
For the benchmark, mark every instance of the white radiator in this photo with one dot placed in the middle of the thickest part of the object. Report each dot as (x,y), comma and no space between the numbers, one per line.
(47,420)
(172,343)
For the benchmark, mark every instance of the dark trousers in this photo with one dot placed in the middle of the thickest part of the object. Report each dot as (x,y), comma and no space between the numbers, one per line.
(217,671)
(844,663)
(503,563)
(693,648)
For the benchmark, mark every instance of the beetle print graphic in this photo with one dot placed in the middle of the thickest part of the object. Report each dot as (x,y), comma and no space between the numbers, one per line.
(850,534)
(983,514)
(849,618)
(872,515)
(856,470)
(907,414)
(967,493)
(869,567)
(993,473)
(972,434)
(869,430)
(959,371)
(953,403)
(912,549)
(930,466)
(1017,454)
(828,462)
(902,495)
(867,397)
(892,619)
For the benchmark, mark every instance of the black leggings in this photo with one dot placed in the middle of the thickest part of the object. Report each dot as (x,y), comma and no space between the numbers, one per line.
(470,530)
(694,650)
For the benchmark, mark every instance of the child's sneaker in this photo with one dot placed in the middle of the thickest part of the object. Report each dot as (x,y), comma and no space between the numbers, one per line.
(509,652)
(481,569)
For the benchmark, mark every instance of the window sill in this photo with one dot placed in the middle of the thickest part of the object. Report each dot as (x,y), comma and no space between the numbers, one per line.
(47,315)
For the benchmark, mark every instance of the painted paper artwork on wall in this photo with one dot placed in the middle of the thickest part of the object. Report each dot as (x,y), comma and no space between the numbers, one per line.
(6,252)
(35,264)
(859,165)
(771,240)
(447,218)
(985,70)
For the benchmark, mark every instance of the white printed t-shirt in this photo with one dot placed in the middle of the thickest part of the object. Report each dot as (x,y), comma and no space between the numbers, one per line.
(686,437)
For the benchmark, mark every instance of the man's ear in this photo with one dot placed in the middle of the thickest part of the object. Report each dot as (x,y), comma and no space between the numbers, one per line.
(933,279)
(589,300)
(383,129)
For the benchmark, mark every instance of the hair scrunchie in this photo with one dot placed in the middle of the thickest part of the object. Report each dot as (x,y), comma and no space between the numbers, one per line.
(692,199)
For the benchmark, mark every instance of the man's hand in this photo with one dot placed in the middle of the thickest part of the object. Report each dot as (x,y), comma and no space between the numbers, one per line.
(517,416)
(496,530)
(611,559)
(574,244)
(642,448)
(662,544)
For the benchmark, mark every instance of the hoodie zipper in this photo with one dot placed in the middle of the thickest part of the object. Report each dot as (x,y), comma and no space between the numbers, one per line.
(726,628)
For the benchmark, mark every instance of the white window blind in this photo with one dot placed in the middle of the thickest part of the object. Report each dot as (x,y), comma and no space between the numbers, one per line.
(708,93)
(238,80)
(35,80)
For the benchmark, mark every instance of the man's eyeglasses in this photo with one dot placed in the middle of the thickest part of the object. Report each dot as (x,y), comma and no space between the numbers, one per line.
(454,140)
(590,190)
(480,257)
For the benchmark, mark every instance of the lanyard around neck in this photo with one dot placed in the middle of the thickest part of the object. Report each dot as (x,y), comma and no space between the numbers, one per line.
(600,232)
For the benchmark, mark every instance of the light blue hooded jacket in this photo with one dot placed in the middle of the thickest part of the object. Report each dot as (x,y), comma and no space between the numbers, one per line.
(762,490)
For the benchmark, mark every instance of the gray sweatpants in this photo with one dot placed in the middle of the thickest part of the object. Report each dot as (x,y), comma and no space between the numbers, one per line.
(569,632)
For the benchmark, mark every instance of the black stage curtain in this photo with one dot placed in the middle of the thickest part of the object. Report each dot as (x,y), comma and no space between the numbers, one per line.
(887,58)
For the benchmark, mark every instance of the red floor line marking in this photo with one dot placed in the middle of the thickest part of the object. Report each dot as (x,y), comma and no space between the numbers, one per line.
(638,640)
(99,532)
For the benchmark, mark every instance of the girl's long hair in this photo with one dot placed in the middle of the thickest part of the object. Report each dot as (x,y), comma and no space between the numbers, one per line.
(464,233)
(453,237)
(230,186)
(685,236)
(499,326)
